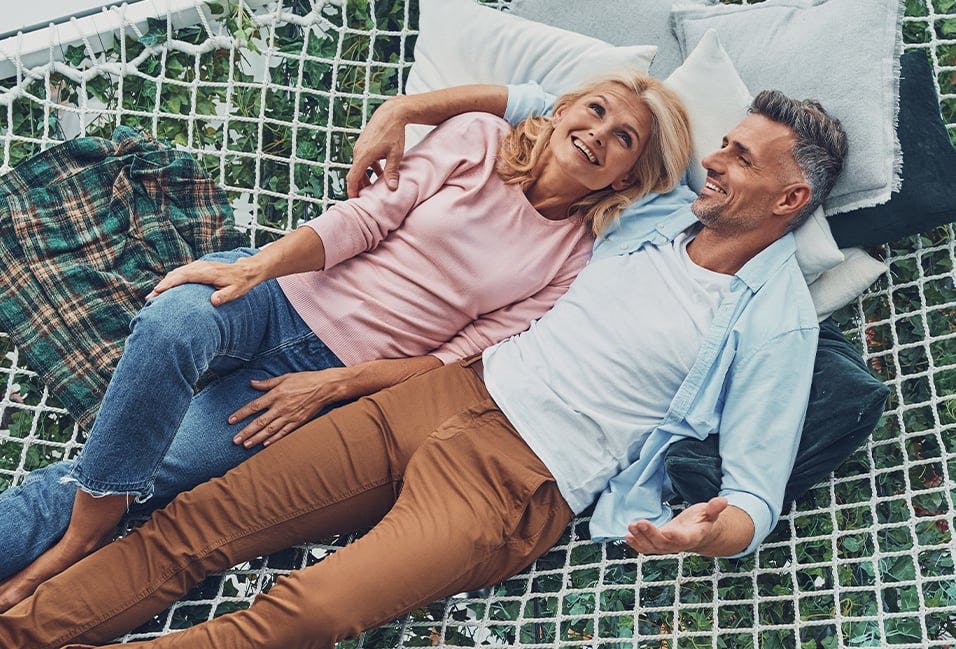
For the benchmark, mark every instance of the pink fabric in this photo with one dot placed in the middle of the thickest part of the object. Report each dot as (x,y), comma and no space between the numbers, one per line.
(451,262)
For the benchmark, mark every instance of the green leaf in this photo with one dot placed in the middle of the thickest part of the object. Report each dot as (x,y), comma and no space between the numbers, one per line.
(155,32)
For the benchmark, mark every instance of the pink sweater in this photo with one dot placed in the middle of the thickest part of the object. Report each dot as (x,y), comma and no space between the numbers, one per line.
(451,262)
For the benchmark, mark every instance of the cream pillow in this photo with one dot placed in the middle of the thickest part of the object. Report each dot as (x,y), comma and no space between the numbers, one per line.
(461,42)
(717,99)
(839,286)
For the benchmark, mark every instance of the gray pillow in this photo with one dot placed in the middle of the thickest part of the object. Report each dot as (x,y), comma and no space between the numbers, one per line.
(845,53)
(640,22)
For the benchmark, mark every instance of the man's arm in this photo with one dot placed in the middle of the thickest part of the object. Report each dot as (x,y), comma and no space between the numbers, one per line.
(711,529)
(384,135)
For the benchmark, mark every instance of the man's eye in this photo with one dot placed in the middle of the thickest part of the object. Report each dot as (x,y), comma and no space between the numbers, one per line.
(744,161)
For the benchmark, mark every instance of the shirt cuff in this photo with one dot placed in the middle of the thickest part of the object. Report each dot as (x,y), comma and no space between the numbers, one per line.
(759,513)
(527,100)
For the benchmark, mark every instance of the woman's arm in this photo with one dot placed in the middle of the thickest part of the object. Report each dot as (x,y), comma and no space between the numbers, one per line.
(292,399)
(494,326)
(384,135)
(299,251)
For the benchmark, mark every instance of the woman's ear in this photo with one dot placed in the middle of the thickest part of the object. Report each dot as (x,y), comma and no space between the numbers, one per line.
(559,113)
(625,182)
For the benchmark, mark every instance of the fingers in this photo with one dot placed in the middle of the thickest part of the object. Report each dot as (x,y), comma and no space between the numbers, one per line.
(392,161)
(259,429)
(272,433)
(714,507)
(644,537)
(356,179)
(197,272)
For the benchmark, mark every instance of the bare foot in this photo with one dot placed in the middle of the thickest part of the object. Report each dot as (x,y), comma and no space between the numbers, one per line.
(92,525)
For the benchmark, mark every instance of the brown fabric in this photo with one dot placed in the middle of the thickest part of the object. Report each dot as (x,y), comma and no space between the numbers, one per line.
(461,503)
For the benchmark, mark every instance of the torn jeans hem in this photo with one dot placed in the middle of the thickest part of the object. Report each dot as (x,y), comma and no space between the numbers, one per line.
(138,496)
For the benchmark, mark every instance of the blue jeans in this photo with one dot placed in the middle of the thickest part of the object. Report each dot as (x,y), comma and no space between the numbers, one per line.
(153,437)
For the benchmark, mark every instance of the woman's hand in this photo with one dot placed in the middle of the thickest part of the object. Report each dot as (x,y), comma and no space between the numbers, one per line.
(231,280)
(382,137)
(289,401)
(689,531)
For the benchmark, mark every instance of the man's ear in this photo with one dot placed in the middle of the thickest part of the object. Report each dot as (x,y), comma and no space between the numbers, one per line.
(625,182)
(794,198)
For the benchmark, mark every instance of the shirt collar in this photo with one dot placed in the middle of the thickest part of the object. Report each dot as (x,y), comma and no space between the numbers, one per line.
(765,263)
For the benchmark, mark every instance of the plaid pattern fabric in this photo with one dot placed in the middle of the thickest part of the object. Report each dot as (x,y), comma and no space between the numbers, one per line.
(87,228)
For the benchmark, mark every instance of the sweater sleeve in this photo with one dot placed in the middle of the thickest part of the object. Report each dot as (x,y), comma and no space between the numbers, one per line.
(360,224)
(495,326)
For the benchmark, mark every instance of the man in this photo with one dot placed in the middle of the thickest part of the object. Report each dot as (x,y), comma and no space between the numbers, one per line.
(383,138)
(685,323)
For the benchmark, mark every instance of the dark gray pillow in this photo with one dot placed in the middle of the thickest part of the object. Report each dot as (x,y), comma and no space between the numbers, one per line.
(927,197)
(846,403)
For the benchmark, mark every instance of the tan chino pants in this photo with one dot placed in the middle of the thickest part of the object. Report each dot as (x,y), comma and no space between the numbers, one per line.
(458,501)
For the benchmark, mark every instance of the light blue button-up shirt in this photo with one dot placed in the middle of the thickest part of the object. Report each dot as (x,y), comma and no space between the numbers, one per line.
(750,381)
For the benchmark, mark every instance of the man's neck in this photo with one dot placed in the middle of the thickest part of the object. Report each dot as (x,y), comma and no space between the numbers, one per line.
(727,254)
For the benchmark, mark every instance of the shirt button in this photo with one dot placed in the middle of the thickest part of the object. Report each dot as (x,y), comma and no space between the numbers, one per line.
(624,246)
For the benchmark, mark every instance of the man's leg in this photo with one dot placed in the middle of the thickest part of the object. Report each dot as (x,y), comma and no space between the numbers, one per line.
(336,474)
(476,507)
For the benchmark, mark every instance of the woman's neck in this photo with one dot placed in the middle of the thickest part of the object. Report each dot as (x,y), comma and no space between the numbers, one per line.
(552,192)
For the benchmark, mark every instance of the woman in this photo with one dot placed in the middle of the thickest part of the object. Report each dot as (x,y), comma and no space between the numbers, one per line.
(487,230)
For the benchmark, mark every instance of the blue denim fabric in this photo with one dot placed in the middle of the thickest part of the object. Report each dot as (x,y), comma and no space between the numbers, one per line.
(153,437)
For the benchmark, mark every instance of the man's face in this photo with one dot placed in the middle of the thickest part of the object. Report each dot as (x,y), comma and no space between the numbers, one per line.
(747,176)
(598,138)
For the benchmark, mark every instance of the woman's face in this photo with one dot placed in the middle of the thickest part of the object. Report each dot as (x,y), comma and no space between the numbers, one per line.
(598,138)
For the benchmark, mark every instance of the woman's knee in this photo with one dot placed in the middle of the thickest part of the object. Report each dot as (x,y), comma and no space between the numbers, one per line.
(178,312)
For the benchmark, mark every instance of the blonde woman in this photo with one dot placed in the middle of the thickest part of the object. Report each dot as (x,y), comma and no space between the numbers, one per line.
(487,229)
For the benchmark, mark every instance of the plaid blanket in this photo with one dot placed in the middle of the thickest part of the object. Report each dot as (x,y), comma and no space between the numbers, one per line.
(86,230)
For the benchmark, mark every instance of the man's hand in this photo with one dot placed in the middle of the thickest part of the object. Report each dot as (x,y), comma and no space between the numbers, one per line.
(230,280)
(289,401)
(382,137)
(686,532)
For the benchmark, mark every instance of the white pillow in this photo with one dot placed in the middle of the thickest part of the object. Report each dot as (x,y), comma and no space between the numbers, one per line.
(838,287)
(717,99)
(844,53)
(460,42)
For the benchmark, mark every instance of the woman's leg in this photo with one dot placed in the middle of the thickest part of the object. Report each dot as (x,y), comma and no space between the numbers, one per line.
(336,474)
(173,341)
(33,515)
(203,448)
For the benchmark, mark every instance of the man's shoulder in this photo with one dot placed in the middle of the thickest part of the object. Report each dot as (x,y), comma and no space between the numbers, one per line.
(781,307)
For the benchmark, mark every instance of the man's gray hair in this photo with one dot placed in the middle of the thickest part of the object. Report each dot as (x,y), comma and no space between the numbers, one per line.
(820,146)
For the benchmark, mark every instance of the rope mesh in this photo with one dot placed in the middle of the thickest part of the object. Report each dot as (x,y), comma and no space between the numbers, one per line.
(269,98)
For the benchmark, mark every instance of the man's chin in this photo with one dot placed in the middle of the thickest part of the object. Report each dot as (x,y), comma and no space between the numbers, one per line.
(705,210)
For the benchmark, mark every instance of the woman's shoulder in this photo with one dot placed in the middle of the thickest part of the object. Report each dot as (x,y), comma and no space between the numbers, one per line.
(476,126)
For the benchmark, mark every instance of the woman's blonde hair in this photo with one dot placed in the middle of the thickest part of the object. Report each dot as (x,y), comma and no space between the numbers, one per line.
(658,169)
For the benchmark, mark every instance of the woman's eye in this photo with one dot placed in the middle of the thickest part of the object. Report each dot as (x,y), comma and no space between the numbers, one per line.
(598,109)
(625,138)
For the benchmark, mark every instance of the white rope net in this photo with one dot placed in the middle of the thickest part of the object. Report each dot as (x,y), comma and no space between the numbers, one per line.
(269,98)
